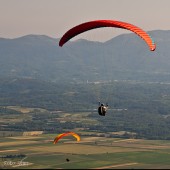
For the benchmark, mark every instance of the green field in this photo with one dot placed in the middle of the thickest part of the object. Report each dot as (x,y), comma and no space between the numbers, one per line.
(90,152)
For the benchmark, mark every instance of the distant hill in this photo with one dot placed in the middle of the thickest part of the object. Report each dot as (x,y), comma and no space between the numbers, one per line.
(36,73)
(123,57)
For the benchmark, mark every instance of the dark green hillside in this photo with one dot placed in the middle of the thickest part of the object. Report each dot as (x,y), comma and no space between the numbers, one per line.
(141,108)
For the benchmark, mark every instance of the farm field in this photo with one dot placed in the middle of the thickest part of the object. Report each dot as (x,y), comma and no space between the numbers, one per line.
(39,152)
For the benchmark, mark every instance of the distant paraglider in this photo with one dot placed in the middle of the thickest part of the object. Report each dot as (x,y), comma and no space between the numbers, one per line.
(102,109)
(67,160)
(107,23)
(66,134)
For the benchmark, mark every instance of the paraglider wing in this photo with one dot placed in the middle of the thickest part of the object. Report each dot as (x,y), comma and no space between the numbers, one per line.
(66,134)
(58,138)
(107,23)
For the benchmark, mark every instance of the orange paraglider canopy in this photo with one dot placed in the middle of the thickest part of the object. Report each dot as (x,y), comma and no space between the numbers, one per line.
(66,134)
(107,23)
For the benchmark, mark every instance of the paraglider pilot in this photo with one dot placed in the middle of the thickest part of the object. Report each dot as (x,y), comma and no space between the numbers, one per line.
(102,109)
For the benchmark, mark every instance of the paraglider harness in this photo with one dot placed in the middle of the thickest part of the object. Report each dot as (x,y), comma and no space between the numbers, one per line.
(102,109)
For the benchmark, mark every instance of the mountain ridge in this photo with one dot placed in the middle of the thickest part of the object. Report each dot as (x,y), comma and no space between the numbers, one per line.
(123,57)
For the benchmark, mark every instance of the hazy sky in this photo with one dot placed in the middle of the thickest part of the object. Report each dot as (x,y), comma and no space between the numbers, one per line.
(55,17)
